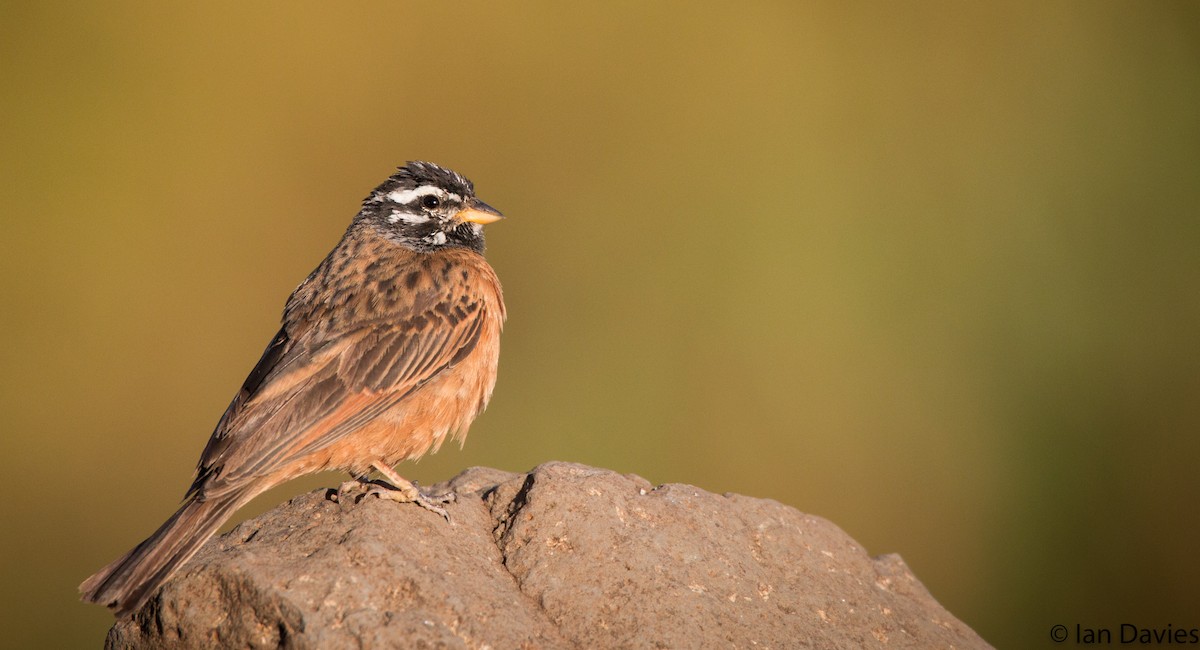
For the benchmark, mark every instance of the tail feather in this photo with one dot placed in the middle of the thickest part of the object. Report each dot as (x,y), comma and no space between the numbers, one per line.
(128,582)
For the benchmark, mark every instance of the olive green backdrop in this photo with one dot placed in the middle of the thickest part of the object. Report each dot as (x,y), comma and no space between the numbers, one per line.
(928,270)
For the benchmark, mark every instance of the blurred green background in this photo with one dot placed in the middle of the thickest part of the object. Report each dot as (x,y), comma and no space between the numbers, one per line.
(928,270)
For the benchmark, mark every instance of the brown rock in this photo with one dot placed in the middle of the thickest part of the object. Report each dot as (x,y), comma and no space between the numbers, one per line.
(566,556)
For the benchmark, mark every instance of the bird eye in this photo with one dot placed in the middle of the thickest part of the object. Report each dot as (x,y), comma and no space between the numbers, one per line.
(430,201)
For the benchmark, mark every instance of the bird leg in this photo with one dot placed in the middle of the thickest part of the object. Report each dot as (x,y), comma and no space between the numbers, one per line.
(402,490)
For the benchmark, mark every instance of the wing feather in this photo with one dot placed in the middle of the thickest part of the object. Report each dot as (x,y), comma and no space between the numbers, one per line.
(311,390)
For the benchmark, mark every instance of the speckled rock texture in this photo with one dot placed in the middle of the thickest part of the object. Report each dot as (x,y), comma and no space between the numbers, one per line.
(566,556)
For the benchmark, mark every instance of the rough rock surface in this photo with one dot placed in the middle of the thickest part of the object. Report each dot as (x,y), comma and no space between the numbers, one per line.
(566,556)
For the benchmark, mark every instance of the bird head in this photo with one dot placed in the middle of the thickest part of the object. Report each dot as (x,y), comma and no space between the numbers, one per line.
(426,207)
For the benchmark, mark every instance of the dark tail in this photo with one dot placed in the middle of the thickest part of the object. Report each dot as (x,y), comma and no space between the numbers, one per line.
(127,583)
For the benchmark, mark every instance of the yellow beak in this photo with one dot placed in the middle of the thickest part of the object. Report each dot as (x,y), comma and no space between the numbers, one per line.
(477,211)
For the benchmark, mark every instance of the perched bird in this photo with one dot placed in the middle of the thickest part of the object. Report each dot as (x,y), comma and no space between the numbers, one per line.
(390,345)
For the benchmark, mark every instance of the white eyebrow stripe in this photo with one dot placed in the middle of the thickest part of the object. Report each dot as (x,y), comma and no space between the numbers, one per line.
(405,197)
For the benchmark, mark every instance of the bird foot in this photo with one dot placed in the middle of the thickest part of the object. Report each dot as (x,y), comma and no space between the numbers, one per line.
(409,493)
(402,490)
(346,491)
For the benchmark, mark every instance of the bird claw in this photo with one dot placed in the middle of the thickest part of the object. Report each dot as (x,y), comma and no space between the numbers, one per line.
(410,494)
(344,492)
(399,489)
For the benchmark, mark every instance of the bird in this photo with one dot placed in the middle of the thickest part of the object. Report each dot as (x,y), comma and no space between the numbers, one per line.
(389,346)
